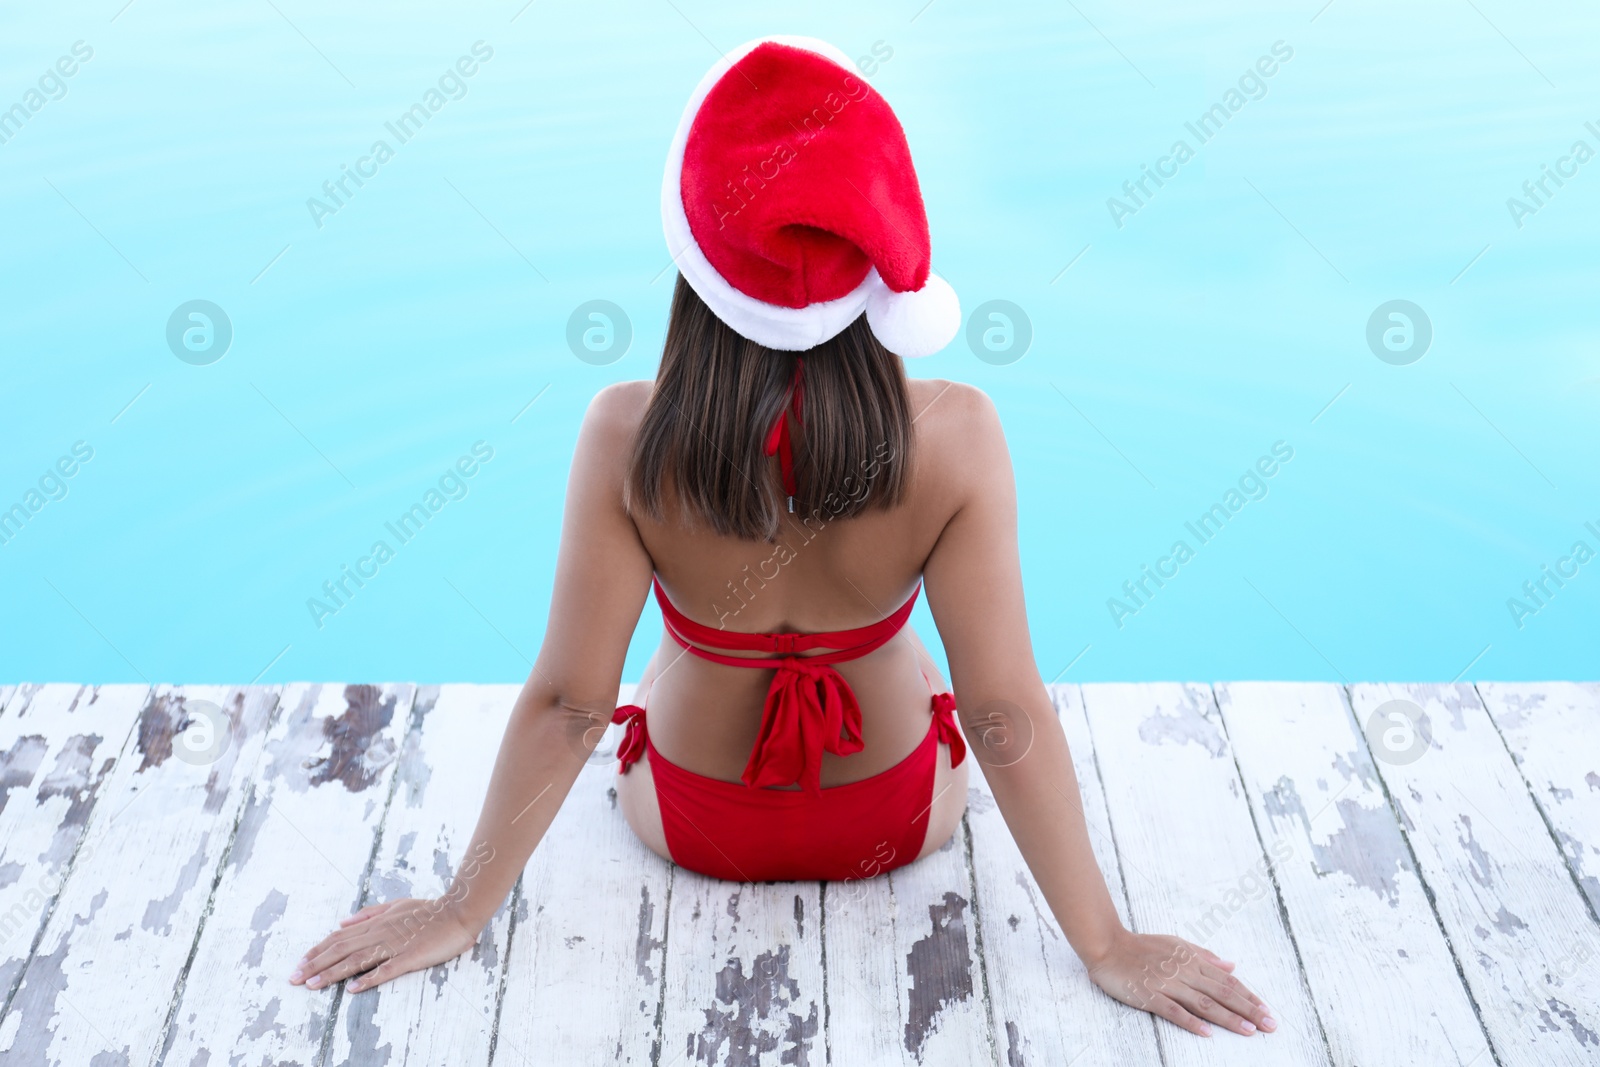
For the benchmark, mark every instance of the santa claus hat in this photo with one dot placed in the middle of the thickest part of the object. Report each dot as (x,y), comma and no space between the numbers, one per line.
(791,206)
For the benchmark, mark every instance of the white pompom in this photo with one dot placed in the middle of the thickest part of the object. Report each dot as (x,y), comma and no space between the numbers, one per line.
(916,324)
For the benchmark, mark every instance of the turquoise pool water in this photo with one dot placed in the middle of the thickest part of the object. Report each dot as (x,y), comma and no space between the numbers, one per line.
(1178,333)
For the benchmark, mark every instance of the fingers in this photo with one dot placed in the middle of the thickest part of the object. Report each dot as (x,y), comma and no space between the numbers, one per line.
(362,958)
(1207,1007)
(367,912)
(1246,1012)
(313,952)
(1231,984)
(1214,959)
(1174,1012)
(305,969)
(344,954)
(386,971)
(1238,997)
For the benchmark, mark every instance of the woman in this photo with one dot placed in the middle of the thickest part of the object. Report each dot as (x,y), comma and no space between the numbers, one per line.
(787,492)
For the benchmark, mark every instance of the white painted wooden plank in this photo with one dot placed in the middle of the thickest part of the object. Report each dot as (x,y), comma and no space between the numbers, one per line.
(127,917)
(5,697)
(1553,732)
(1385,983)
(1046,1011)
(944,1016)
(744,976)
(905,982)
(57,744)
(584,981)
(294,870)
(1500,887)
(444,1015)
(1194,865)
(866,1017)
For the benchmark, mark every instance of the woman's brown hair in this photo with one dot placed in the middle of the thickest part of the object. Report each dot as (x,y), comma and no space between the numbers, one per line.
(716,397)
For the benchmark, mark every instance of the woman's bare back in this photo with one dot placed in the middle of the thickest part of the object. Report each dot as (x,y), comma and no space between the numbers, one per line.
(821,574)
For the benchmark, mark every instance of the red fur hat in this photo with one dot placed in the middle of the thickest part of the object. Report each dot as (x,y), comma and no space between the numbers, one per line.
(791,206)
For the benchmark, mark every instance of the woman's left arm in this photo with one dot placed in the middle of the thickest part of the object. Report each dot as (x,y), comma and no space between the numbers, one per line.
(973,580)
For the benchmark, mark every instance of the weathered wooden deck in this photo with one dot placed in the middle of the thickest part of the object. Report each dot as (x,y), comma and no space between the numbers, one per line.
(1396,900)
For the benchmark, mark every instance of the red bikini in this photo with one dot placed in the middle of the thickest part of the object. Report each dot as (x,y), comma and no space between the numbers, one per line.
(750,833)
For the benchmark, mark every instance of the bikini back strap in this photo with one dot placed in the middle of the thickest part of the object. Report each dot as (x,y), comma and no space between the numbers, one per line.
(845,644)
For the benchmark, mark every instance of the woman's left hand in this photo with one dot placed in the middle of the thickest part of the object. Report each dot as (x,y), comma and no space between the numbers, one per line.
(384,941)
(1181,982)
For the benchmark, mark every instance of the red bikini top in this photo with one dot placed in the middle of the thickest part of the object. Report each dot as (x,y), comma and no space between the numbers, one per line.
(810,708)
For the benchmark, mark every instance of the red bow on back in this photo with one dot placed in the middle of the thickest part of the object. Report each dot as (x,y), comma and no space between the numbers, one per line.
(810,709)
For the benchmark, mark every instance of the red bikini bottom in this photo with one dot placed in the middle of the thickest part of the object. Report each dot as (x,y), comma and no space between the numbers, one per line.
(732,831)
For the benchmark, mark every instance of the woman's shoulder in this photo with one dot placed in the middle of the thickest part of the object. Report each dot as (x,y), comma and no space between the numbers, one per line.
(621,399)
(617,409)
(953,416)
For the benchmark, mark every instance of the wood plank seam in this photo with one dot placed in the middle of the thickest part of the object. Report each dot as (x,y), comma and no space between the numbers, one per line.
(169,1027)
(514,907)
(1122,866)
(1422,876)
(1569,860)
(168,1031)
(1544,816)
(822,935)
(48,911)
(659,1041)
(335,1010)
(965,830)
(1272,876)
(413,732)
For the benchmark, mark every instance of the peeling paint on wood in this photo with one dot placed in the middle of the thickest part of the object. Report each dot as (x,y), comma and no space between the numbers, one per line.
(1194,864)
(1361,849)
(759,1001)
(940,968)
(1014,1056)
(1552,730)
(896,968)
(594,882)
(1499,883)
(940,961)
(445,1014)
(734,1033)
(1347,879)
(1036,981)
(1188,721)
(138,888)
(304,840)
(352,747)
(20,764)
(62,740)
(646,946)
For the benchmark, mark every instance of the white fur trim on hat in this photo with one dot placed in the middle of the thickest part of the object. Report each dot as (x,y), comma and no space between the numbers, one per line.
(796,329)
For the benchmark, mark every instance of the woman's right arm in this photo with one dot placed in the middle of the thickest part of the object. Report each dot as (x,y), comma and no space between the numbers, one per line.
(602,579)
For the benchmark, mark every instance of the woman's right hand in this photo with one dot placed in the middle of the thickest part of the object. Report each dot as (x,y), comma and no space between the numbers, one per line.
(1183,983)
(383,941)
